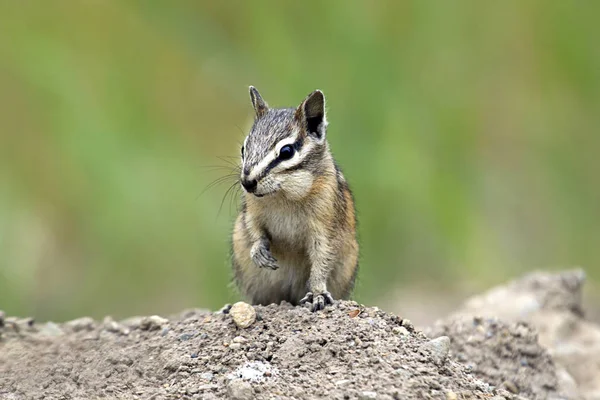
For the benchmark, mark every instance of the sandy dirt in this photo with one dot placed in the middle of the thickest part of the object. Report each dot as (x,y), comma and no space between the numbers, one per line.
(347,351)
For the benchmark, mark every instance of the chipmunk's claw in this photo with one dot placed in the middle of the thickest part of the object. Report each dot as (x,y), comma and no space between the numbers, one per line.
(263,258)
(307,299)
(225,309)
(317,302)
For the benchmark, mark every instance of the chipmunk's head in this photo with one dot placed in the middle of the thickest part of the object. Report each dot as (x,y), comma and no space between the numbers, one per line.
(286,147)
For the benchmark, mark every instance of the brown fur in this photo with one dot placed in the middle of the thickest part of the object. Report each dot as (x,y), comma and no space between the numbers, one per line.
(291,281)
(311,233)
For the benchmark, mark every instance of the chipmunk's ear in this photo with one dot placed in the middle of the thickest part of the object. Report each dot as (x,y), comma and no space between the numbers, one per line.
(311,114)
(260,106)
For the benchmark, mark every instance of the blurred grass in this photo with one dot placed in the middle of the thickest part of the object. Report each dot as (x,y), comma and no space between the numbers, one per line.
(469,132)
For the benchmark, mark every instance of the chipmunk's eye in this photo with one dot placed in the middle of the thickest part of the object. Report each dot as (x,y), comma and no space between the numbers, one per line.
(242,151)
(286,152)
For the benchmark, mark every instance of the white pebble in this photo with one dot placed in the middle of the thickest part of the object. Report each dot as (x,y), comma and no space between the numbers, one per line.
(367,395)
(243,314)
(239,339)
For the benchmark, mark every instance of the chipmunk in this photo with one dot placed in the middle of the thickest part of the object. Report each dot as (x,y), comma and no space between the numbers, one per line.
(295,236)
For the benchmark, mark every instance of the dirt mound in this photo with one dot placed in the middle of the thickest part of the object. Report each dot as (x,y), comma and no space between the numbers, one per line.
(348,351)
(552,304)
(505,355)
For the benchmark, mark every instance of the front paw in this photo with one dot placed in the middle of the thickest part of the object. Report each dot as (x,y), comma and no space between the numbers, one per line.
(317,302)
(262,257)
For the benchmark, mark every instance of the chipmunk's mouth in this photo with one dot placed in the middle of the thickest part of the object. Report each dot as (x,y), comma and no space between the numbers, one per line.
(263,194)
(265,190)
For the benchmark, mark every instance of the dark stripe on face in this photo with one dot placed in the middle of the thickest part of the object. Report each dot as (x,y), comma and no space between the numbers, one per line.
(310,162)
(297,145)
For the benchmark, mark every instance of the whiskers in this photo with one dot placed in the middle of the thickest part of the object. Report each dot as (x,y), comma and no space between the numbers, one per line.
(231,177)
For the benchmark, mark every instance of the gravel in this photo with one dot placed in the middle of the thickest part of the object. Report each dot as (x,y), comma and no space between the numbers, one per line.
(291,352)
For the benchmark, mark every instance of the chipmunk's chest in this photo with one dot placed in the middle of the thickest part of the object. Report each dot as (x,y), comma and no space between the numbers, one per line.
(286,227)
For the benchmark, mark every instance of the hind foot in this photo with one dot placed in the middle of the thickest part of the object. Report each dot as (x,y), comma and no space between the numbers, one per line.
(317,302)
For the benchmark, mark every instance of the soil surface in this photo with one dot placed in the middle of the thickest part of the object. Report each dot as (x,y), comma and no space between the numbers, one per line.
(507,355)
(552,305)
(347,351)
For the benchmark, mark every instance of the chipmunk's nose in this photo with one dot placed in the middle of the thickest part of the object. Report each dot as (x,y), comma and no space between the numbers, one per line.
(249,185)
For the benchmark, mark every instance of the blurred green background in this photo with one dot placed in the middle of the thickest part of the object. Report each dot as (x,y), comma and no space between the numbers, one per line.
(469,131)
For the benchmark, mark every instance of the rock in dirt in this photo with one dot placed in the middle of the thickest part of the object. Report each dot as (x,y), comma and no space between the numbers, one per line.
(243,314)
(450,395)
(239,389)
(113,326)
(438,348)
(366,395)
(400,330)
(291,352)
(51,329)
(153,323)
(81,324)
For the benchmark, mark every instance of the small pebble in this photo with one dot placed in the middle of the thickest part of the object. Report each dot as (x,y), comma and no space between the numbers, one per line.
(235,346)
(408,325)
(400,330)
(81,324)
(239,339)
(210,386)
(238,389)
(450,395)
(112,326)
(153,323)
(207,376)
(51,329)
(132,322)
(172,366)
(367,395)
(511,387)
(185,336)
(243,314)
(439,348)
